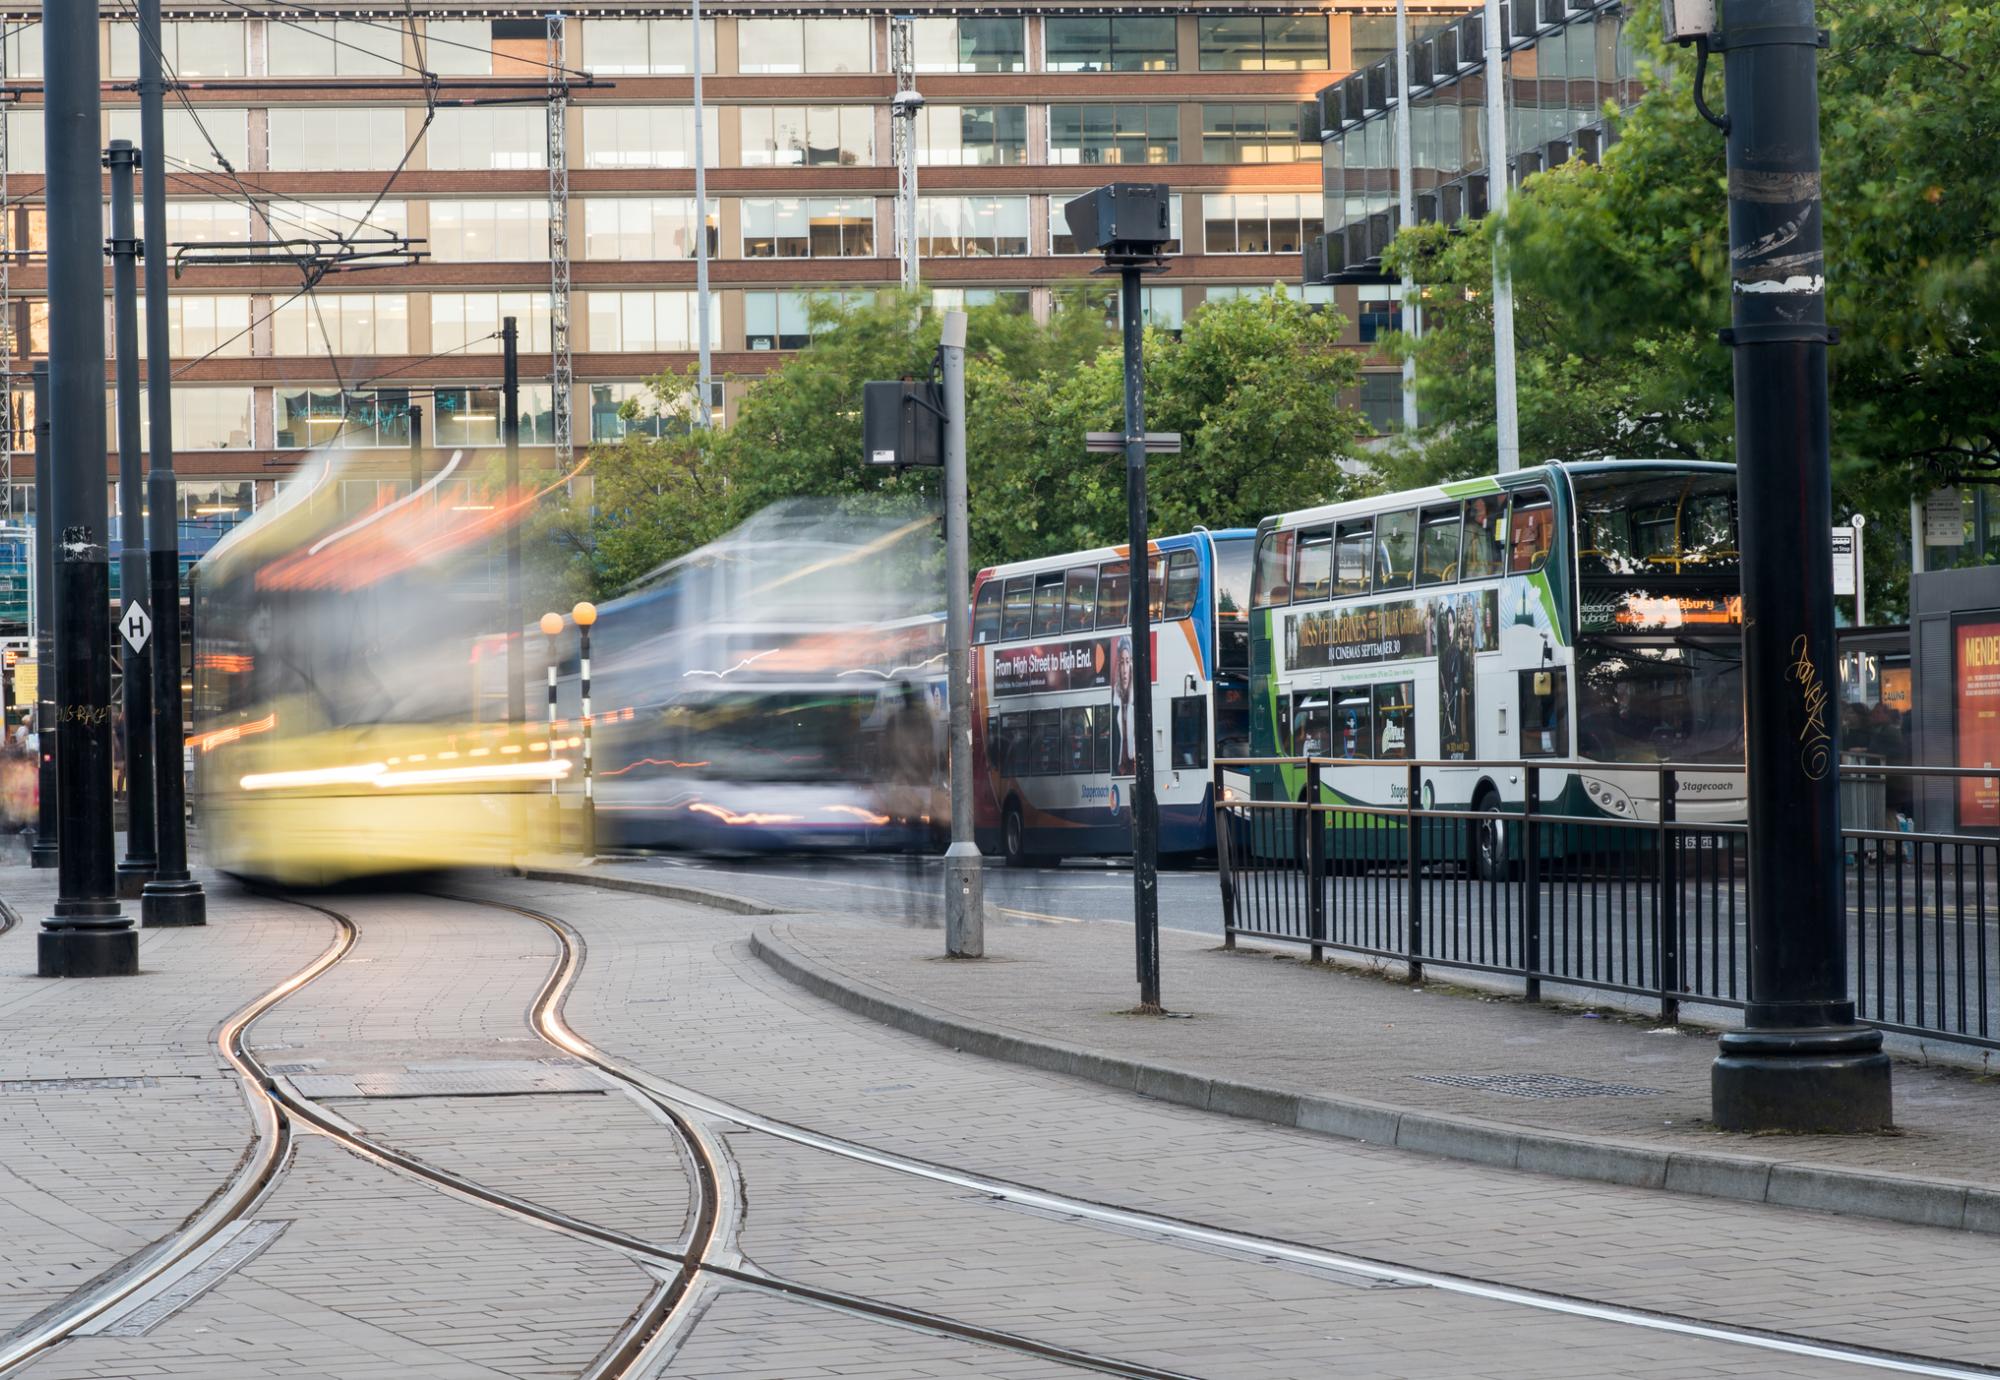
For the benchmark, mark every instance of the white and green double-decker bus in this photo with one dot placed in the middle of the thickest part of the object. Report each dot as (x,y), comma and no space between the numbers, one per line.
(1584,615)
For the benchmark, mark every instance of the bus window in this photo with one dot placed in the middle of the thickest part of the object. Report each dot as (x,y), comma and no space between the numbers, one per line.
(1048,603)
(1046,741)
(1352,736)
(1545,712)
(1395,729)
(1534,524)
(1156,588)
(1183,584)
(1271,584)
(1078,751)
(1311,724)
(986,613)
(1081,599)
(1315,570)
(1485,538)
(1437,551)
(1018,609)
(1114,595)
(1232,719)
(1190,735)
(1284,725)
(1352,542)
(1395,550)
(1103,735)
(1232,605)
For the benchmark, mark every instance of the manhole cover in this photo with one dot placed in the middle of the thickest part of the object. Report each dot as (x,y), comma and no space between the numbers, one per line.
(1546,1085)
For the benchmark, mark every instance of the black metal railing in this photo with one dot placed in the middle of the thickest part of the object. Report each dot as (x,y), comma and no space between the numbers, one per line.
(1644,901)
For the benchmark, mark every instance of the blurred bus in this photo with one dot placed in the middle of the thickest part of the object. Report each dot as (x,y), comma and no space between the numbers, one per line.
(1586,615)
(1053,698)
(335,732)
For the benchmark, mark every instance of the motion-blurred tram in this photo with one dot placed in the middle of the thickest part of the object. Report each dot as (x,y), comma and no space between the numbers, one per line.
(335,732)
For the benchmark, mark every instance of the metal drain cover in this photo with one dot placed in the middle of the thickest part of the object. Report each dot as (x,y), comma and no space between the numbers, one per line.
(1543,1085)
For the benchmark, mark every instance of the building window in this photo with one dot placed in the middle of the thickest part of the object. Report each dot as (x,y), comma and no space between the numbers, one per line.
(1122,134)
(1382,401)
(333,220)
(342,323)
(204,418)
(642,228)
(188,49)
(21,52)
(1381,310)
(1061,241)
(1014,301)
(1263,43)
(967,227)
(618,410)
(469,322)
(1259,223)
(472,416)
(1159,307)
(325,139)
(1312,294)
(645,47)
(798,136)
(820,228)
(970,45)
(189,145)
(333,48)
(199,327)
(204,222)
(972,135)
(784,46)
(1127,44)
(648,321)
(482,47)
(489,231)
(490,137)
(26,152)
(371,418)
(644,136)
(784,320)
(1253,134)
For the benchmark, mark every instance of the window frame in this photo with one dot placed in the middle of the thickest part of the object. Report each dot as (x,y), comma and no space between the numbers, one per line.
(1527,502)
(1428,520)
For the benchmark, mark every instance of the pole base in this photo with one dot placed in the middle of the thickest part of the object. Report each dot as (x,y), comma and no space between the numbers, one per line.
(173,904)
(964,902)
(44,855)
(132,879)
(1829,1079)
(66,953)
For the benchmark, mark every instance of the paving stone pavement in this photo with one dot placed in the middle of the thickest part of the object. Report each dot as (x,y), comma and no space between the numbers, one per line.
(674,989)
(80,1189)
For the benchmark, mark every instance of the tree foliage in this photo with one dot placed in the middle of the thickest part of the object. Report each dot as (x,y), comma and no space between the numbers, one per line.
(1254,386)
(1621,273)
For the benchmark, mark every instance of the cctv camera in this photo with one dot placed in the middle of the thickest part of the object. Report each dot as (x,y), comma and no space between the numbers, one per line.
(906,103)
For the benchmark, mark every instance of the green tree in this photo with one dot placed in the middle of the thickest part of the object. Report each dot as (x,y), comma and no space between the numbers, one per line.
(1621,273)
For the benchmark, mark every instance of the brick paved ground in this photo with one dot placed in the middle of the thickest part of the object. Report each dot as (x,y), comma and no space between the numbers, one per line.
(80,1190)
(734,1029)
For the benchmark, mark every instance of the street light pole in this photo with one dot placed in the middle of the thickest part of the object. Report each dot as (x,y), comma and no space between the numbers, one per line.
(1407,197)
(173,897)
(964,882)
(45,850)
(705,370)
(88,935)
(140,858)
(1145,806)
(1506,410)
(1800,1063)
(510,388)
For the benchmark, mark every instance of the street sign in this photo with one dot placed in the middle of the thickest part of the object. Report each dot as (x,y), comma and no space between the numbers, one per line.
(1944,518)
(1843,561)
(1113,442)
(137,626)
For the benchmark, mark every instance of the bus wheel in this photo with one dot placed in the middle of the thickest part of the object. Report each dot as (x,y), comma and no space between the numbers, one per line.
(1490,857)
(1014,838)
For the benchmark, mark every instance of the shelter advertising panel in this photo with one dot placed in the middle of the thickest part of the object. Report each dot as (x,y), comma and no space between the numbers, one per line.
(1976,686)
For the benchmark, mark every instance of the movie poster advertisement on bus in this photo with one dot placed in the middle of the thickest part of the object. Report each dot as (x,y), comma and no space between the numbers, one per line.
(1399,630)
(1043,667)
(1977,691)
(1461,629)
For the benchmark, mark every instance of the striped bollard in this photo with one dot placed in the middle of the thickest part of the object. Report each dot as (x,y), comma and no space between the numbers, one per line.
(585,614)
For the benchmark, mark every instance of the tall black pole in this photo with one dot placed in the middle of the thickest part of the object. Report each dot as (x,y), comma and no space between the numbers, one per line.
(510,388)
(88,935)
(1145,807)
(46,833)
(135,624)
(416,447)
(1800,1063)
(172,897)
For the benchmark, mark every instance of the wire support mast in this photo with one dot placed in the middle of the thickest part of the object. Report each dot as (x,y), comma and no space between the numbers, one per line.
(561,361)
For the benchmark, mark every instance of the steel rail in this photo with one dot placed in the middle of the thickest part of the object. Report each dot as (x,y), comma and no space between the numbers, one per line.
(687,1099)
(237,1197)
